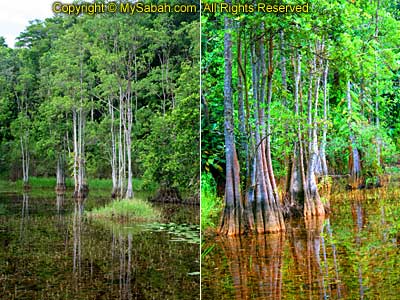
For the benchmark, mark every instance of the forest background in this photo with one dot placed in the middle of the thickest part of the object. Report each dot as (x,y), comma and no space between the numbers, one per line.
(291,102)
(111,94)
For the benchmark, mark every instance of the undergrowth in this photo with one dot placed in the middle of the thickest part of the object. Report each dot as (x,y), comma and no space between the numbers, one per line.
(211,205)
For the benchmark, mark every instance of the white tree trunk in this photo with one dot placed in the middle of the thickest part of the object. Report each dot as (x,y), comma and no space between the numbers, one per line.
(114,171)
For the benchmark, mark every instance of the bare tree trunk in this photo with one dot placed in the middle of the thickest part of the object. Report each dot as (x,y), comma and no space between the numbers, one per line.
(295,196)
(114,167)
(309,110)
(241,111)
(129,190)
(325,120)
(231,223)
(287,160)
(60,186)
(76,154)
(81,188)
(24,141)
(269,98)
(354,161)
(267,213)
(302,196)
(121,166)
(313,205)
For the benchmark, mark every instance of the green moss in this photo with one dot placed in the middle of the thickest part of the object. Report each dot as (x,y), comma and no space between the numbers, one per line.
(126,210)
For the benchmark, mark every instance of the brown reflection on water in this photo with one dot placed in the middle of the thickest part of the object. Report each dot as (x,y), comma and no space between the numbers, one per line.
(297,265)
(310,255)
(353,254)
(255,265)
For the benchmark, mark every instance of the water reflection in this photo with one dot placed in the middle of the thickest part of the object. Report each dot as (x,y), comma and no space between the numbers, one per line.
(351,255)
(312,259)
(60,198)
(358,214)
(305,258)
(121,254)
(24,215)
(255,264)
(77,229)
(51,250)
(335,260)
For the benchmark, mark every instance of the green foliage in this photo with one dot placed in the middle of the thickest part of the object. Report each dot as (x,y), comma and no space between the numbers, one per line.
(66,64)
(211,205)
(348,31)
(170,151)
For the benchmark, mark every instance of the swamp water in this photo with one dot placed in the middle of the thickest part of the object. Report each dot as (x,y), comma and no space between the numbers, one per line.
(352,254)
(50,250)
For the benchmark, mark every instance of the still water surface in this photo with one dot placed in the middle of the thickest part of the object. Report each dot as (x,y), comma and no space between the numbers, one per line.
(50,250)
(353,254)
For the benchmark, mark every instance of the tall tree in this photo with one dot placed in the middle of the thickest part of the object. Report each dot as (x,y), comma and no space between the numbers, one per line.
(232,222)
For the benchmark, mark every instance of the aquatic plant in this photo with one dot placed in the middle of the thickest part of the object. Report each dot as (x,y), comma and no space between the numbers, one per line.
(127,209)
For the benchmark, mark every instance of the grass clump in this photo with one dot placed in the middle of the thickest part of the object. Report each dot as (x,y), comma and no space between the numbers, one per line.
(211,205)
(127,210)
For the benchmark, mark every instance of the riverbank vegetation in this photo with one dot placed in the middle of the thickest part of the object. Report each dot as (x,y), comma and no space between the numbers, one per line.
(102,97)
(293,101)
(211,204)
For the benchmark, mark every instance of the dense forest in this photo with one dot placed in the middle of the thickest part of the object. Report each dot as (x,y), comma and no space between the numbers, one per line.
(293,101)
(103,96)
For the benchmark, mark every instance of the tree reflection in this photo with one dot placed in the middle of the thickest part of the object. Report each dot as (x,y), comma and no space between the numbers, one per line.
(121,253)
(255,264)
(77,229)
(311,267)
(359,219)
(312,272)
(60,198)
(24,215)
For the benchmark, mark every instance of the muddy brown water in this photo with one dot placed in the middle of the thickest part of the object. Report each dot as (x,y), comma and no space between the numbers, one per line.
(352,254)
(49,250)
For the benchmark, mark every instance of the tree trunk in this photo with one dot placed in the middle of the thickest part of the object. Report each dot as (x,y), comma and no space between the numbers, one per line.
(295,193)
(121,166)
(60,186)
(302,196)
(287,160)
(76,154)
(325,120)
(267,212)
(25,159)
(354,160)
(313,205)
(129,189)
(81,187)
(241,112)
(269,133)
(231,223)
(114,167)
